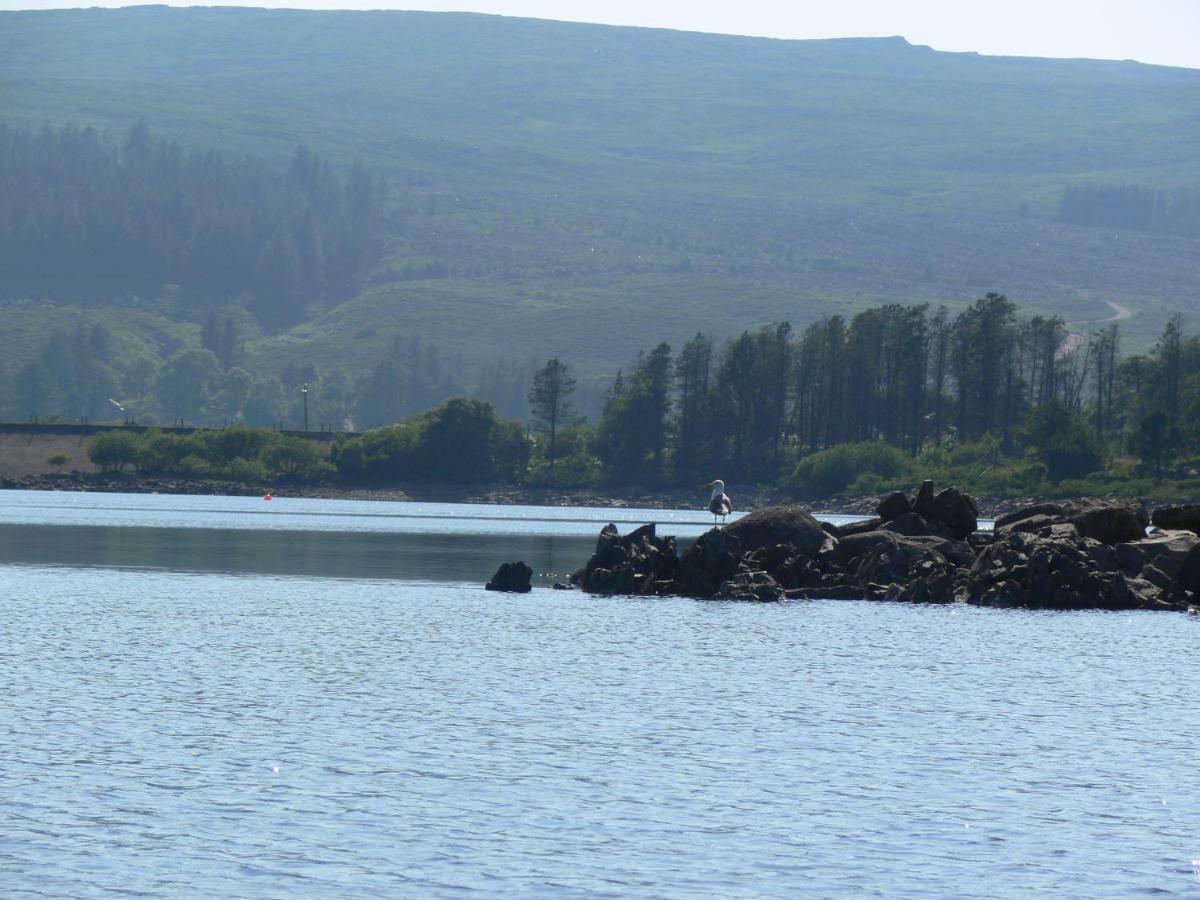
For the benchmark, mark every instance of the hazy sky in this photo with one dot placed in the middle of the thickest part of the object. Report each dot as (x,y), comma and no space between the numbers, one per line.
(1156,31)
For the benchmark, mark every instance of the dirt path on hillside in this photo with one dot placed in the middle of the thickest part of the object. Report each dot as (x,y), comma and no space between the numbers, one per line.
(1074,339)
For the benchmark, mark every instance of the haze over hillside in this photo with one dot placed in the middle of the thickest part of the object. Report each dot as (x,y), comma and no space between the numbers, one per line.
(587,191)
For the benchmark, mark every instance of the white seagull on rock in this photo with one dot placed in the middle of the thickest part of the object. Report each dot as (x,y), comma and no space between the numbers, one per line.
(719,503)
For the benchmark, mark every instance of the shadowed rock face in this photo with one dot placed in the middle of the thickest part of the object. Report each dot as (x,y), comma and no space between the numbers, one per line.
(792,525)
(1185,517)
(511,577)
(1090,554)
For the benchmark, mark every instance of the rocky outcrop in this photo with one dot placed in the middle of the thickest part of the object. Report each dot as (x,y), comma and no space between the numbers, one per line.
(1107,521)
(1087,554)
(512,577)
(793,525)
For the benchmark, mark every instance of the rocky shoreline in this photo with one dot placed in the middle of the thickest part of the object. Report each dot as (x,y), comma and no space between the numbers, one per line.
(1081,554)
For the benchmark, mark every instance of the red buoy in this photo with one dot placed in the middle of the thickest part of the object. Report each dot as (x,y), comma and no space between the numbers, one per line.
(267,497)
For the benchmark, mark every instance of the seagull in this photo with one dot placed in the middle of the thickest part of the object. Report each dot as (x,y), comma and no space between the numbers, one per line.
(719,503)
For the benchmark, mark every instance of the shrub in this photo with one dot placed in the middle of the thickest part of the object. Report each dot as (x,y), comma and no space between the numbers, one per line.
(297,457)
(247,470)
(831,471)
(58,460)
(113,450)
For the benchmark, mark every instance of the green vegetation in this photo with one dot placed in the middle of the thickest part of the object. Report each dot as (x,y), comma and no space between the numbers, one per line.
(460,441)
(238,453)
(554,189)
(991,399)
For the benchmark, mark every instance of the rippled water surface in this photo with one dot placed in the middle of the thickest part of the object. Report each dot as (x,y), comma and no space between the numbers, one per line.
(192,706)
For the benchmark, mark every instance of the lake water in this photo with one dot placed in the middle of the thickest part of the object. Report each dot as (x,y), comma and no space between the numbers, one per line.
(223,697)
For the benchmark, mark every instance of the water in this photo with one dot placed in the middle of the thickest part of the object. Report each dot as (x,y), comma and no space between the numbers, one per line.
(254,720)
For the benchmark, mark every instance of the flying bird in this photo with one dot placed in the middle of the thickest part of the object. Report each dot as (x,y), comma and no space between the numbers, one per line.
(116,404)
(719,503)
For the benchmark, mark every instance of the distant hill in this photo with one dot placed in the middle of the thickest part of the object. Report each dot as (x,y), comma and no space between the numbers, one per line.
(586,191)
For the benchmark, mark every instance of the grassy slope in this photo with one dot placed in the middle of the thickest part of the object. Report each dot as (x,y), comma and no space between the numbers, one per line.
(585,181)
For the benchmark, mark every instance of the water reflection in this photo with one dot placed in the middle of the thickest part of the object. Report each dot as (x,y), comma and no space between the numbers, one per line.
(330,554)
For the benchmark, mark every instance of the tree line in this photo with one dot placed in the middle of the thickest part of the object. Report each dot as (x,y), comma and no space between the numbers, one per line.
(77,207)
(1013,386)
(1003,400)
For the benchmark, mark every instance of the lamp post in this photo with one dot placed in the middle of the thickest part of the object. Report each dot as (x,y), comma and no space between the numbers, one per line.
(304,391)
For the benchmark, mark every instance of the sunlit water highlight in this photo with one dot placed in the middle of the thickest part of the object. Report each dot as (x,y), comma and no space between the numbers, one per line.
(208,725)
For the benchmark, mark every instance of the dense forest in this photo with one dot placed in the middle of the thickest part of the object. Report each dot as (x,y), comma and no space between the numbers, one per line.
(75,207)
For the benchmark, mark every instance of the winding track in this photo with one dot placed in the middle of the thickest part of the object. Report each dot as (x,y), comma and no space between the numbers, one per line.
(1074,339)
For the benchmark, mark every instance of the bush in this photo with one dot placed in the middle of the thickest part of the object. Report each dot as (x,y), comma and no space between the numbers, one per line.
(832,471)
(58,460)
(247,470)
(297,457)
(113,450)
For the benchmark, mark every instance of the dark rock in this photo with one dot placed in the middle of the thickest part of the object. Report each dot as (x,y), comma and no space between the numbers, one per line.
(641,535)
(780,525)
(894,505)
(911,524)
(957,511)
(858,527)
(1108,521)
(757,586)
(711,561)
(512,577)
(1033,523)
(633,564)
(1059,570)
(1053,510)
(1187,579)
(1186,517)
(923,505)
(854,546)
(960,553)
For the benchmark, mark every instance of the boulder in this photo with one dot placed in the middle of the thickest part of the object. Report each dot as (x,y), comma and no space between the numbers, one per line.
(1164,549)
(858,527)
(512,577)
(1187,579)
(1186,517)
(1108,521)
(855,546)
(894,505)
(923,505)
(913,525)
(712,560)
(1051,510)
(773,525)
(1033,523)
(957,511)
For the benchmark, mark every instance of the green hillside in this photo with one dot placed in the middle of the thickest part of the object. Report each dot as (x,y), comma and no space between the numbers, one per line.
(586,191)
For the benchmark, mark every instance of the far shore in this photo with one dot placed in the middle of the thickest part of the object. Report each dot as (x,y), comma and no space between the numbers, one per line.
(746,497)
